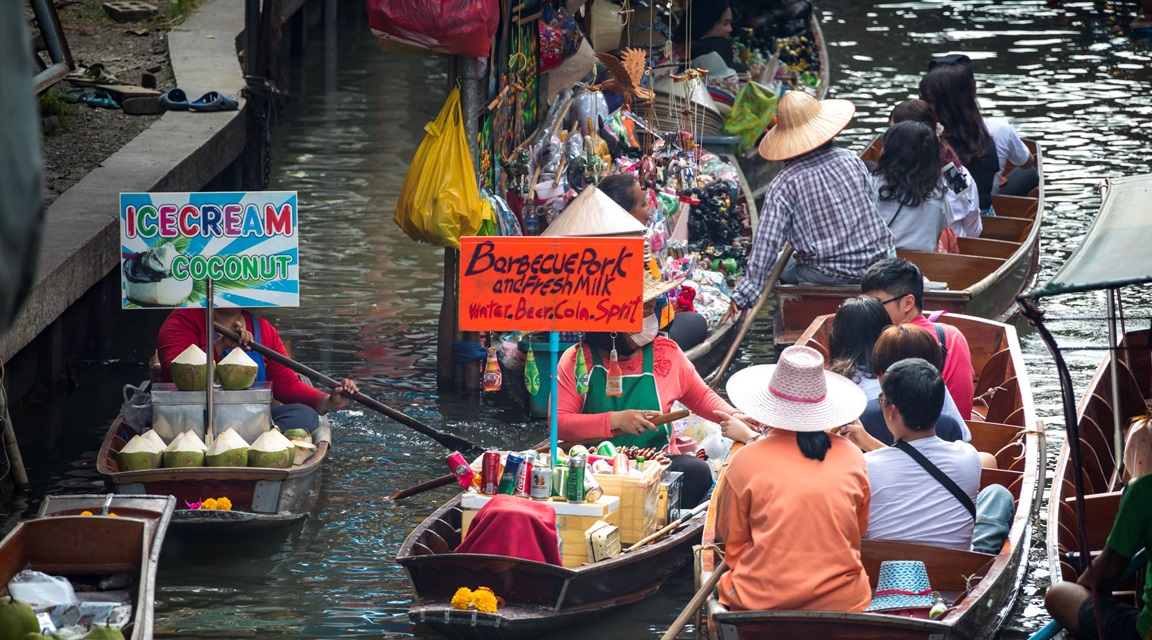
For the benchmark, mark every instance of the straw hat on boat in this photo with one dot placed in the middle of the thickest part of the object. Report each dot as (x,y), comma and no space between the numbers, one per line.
(796,393)
(803,123)
(655,287)
(594,214)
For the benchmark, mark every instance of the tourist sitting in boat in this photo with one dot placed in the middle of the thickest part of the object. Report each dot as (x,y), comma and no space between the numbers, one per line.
(686,328)
(794,503)
(1070,603)
(984,145)
(909,195)
(959,188)
(855,328)
(302,405)
(654,374)
(822,201)
(899,286)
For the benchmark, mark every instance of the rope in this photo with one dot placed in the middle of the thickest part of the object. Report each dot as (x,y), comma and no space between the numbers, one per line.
(467,351)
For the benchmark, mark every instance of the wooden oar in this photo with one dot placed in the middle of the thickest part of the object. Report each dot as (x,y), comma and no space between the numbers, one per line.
(769,286)
(703,506)
(445,480)
(447,439)
(695,603)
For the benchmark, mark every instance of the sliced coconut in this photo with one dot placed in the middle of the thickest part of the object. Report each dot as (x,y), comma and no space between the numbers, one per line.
(236,370)
(271,449)
(298,435)
(139,454)
(186,450)
(227,450)
(189,370)
(303,451)
(155,439)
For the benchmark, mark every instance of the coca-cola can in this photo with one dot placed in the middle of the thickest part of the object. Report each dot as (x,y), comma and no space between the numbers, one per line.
(524,479)
(490,473)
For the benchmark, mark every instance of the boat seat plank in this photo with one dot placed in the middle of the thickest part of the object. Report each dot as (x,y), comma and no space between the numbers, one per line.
(1010,480)
(1006,228)
(987,247)
(436,543)
(947,568)
(959,271)
(1100,509)
(1013,206)
(993,436)
(1004,402)
(995,369)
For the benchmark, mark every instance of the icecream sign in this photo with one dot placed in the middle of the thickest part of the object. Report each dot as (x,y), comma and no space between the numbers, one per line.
(245,242)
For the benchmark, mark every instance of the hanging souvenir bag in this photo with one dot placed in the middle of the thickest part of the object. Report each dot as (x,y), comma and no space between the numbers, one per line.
(752,112)
(455,27)
(559,37)
(440,200)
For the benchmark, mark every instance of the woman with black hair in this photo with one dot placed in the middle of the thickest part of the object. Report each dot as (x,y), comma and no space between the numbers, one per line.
(857,325)
(909,194)
(708,29)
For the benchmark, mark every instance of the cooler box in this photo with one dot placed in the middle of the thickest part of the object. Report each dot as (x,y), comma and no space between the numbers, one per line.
(248,411)
(639,500)
(572,520)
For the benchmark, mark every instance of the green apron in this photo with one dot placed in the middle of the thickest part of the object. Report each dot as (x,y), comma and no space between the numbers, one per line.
(639,392)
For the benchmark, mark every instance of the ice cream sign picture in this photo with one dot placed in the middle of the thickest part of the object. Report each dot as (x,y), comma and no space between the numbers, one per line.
(245,242)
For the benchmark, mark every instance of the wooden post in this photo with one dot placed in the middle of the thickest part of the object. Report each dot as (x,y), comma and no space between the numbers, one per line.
(470,106)
(445,367)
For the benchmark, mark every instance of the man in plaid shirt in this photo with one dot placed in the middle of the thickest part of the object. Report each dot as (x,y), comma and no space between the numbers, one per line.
(822,201)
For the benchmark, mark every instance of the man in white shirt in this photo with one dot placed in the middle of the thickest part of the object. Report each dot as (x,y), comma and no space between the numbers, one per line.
(908,503)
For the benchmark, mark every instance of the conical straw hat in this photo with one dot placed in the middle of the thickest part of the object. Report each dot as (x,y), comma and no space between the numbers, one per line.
(803,123)
(592,213)
(654,287)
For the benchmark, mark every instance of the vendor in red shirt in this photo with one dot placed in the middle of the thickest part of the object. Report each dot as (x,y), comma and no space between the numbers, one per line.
(655,373)
(302,404)
(899,286)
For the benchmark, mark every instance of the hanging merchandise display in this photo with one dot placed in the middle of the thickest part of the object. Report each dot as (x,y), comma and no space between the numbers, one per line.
(440,200)
(581,371)
(455,27)
(531,372)
(492,376)
(614,386)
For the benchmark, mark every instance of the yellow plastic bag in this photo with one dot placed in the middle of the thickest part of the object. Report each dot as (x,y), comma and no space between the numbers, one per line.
(752,113)
(440,200)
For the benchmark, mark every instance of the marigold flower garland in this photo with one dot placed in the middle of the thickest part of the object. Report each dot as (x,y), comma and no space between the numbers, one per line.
(482,599)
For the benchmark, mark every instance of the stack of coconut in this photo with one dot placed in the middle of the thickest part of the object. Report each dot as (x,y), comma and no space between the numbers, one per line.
(272,449)
(234,372)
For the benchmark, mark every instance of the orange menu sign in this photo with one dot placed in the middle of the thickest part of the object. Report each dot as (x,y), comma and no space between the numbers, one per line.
(551,284)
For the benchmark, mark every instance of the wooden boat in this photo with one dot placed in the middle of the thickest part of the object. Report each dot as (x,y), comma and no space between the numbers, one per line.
(87,549)
(261,497)
(981,587)
(983,280)
(540,597)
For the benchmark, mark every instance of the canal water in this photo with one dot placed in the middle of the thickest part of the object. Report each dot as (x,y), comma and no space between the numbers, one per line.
(1069,75)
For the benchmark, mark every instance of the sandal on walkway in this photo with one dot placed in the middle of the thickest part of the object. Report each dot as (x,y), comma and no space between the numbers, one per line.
(213,101)
(74,95)
(95,74)
(100,98)
(175,100)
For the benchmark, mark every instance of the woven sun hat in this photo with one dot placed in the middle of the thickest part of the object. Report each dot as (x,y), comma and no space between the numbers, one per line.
(592,214)
(796,393)
(902,584)
(803,123)
(655,287)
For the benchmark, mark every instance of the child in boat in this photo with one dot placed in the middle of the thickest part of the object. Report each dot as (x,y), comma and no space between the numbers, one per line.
(794,503)
(1071,603)
(302,405)
(909,195)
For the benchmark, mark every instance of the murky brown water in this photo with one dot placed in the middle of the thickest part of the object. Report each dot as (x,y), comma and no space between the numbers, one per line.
(1070,76)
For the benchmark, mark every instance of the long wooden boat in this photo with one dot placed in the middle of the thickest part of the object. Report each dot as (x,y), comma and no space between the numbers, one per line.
(983,280)
(540,597)
(980,587)
(261,497)
(87,549)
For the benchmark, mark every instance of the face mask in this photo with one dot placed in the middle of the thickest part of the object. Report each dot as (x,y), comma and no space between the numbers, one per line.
(648,333)
(604,342)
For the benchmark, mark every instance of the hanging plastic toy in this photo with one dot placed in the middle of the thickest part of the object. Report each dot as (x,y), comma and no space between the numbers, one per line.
(615,382)
(492,375)
(531,372)
(581,371)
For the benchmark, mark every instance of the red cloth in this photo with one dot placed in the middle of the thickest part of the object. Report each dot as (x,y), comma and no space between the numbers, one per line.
(958,374)
(184,327)
(514,527)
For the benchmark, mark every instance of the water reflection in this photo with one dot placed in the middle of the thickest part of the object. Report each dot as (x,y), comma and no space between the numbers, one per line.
(1068,74)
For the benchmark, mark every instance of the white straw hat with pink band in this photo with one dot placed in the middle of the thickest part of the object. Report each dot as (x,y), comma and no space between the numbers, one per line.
(796,393)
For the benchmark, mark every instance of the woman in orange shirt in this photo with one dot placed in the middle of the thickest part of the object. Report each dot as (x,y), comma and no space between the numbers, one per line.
(794,503)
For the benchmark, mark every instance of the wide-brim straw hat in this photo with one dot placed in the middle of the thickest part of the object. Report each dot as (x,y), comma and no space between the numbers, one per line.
(796,393)
(803,123)
(594,214)
(655,287)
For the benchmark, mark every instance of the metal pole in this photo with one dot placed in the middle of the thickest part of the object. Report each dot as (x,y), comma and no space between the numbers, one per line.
(210,337)
(470,108)
(251,37)
(553,430)
(1113,367)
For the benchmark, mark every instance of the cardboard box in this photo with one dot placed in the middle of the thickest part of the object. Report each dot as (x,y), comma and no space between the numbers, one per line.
(572,521)
(602,541)
(639,499)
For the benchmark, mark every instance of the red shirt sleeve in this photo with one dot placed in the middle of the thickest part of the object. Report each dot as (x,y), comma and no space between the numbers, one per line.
(287,387)
(181,328)
(571,424)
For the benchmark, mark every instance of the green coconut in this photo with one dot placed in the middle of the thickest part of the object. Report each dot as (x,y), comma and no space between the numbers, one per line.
(141,453)
(303,451)
(227,450)
(17,619)
(236,371)
(104,633)
(155,438)
(271,449)
(190,369)
(186,450)
(298,434)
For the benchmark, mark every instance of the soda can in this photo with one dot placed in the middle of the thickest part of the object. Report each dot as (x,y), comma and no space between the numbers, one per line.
(592,488)
(511,472)
(461,469)
(490,473)
(607,449)
(541,483)
(621,464)
(560,482)
(574,490)
(523,479)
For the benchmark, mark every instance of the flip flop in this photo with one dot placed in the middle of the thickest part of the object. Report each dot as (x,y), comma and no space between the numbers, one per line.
(95,74)
(213,101)
(74,95)
(100,98)
(175,100)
